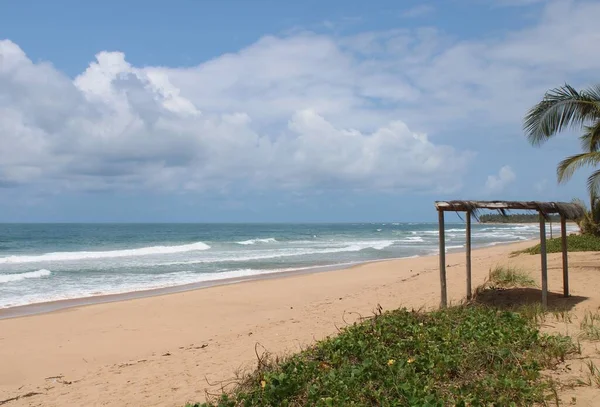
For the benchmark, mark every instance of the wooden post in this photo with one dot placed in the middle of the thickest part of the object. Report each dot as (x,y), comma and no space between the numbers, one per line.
(444,302)
(544,261)
(563,234)
(468,247)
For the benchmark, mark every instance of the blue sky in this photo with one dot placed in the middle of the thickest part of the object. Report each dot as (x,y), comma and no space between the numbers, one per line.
(266,110)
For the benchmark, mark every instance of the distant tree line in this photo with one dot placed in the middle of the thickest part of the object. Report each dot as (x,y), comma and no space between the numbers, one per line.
(515,218)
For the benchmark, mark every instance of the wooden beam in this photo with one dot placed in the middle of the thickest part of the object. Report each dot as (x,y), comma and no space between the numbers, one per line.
(444,299)
(563,236)
(468,249)
(544,261)
(570,210)
(448,206)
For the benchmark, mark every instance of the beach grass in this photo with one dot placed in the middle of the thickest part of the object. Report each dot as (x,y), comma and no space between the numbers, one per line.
(590,326)
(575,243)
(465,356)
(593,374)
(509,276)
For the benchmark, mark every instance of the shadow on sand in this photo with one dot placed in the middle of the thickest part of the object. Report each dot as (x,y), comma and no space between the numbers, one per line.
(509,298)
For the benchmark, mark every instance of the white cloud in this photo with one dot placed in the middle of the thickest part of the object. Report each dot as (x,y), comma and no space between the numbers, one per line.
(498,183)
(418,11)
(421,76)
(119,126)
(296,111)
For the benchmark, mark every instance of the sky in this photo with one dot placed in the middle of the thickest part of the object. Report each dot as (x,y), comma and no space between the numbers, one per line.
(272,111)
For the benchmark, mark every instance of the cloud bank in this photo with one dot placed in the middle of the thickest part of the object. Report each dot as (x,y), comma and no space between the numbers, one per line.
(296,112)
(119,126)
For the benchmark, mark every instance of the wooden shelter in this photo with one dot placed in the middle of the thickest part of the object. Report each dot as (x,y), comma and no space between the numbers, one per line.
(567,211)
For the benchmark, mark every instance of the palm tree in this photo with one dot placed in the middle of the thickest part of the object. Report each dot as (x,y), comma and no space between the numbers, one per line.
(563,108)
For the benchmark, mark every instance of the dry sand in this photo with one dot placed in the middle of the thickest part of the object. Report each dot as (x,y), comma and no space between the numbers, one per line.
(164,350)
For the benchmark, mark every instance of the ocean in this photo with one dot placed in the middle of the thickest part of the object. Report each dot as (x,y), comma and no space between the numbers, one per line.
(48,262)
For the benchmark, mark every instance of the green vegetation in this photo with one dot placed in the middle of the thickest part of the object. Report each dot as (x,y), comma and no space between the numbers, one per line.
(465,356)
(563,108)
(515,218)
(509,276)
(593,375)
(575,243)
(590,223)
(590,326)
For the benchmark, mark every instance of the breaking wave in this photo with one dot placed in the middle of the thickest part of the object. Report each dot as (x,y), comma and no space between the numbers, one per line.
(273,254)
(9,278)
(71,256)
(255,241)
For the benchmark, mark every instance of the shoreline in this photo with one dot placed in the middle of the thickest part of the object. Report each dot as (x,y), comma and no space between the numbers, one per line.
(44,307)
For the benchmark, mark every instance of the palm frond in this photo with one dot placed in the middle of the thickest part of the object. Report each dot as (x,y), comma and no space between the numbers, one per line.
(593,184)
(561,108)
(580,202)
(567,167)
(590,139)
(593,92)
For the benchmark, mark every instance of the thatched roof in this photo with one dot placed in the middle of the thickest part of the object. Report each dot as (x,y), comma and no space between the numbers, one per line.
(570,211)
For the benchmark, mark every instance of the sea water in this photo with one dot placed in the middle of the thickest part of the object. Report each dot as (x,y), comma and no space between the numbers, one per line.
(47,262)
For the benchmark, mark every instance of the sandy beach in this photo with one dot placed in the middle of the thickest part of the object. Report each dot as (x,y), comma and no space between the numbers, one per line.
(169,349)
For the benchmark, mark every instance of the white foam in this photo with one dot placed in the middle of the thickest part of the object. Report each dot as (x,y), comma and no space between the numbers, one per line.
(255,241)
(380,245)
(9,278)
(161,281)
(70,256)
(498,235)
(504,242)
(273,254)
(522,227)
(414,239)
